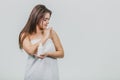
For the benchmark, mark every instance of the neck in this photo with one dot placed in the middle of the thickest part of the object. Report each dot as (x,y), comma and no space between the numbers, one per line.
(38,30)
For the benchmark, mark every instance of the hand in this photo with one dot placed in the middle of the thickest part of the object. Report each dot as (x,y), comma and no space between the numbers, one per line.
(46,33)
(41,56)
(35,55)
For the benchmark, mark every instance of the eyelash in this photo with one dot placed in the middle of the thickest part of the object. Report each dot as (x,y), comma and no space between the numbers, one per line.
(45,19)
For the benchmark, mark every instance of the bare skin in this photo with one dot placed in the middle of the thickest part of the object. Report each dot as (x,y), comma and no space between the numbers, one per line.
(44,33)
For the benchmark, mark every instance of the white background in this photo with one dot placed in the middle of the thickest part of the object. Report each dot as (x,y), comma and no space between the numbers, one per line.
(89,31)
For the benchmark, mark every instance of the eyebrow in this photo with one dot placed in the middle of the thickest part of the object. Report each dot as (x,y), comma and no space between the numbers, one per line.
(47,18)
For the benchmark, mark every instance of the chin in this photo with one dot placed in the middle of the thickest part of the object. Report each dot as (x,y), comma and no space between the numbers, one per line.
(45,27)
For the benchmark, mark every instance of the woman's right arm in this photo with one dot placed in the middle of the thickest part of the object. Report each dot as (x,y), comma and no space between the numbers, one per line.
(31,48)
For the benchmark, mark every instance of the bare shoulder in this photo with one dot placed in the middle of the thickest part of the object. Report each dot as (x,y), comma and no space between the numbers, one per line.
(53,31)
(56,41)
(53,34)
(25,36)
(55,37)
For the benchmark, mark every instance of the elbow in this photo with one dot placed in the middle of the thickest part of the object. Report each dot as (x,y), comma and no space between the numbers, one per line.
(62,54)
(30,51)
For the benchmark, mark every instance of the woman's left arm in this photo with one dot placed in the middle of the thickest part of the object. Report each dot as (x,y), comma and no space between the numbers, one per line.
(59,53)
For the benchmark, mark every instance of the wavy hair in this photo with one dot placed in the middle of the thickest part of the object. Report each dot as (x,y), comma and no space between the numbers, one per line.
(35,17)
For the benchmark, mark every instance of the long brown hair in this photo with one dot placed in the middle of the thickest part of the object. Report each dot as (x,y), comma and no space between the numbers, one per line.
(35,17)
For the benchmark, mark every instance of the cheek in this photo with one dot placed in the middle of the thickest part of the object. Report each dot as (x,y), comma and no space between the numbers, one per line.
(41,24)
(44,22)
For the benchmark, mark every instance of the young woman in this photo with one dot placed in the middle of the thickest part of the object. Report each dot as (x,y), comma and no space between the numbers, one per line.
(42,45)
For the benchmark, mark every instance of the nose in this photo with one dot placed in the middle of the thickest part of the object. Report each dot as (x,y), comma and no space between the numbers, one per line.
(47,21)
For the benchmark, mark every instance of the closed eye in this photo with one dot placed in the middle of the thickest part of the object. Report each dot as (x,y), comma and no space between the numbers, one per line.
(46,19)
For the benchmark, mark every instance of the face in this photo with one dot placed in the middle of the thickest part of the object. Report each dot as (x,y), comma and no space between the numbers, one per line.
(44,23)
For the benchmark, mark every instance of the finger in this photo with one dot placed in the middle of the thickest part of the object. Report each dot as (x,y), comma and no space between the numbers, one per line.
(51,28)
(41,57)
(34,55)
(38,56)
(42,54)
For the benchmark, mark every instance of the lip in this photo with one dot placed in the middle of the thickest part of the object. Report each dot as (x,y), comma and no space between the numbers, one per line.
(45,26)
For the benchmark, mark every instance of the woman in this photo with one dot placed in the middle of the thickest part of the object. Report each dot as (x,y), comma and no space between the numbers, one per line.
(42,45)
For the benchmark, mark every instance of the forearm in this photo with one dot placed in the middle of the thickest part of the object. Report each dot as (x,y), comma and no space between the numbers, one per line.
(33,49)
(56,54)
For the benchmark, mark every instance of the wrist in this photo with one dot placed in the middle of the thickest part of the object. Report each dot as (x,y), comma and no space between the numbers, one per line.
(47,54)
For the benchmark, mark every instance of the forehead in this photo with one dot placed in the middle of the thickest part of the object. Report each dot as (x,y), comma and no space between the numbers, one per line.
(47,15)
